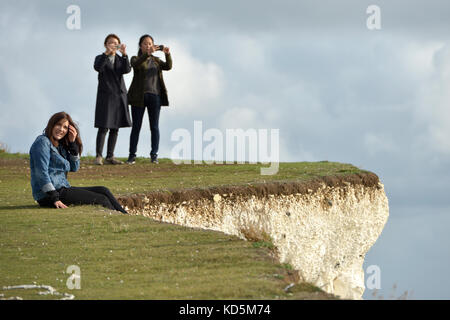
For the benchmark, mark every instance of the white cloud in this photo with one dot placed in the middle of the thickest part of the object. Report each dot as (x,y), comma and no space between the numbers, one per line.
(248,53)
(193,85)
(418,57)
(240,117)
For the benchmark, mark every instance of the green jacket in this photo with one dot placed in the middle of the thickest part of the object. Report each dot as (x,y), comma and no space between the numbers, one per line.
(140,68)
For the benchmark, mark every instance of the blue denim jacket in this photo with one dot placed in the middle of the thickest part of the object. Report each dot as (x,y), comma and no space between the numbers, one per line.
(48,168)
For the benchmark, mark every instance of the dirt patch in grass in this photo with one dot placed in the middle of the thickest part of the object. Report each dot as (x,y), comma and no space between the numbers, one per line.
(367,179)
(12,163)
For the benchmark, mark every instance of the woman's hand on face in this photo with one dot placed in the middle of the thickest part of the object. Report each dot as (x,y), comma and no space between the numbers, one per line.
(122,49)
(59,204)
(72,133)
(166,50)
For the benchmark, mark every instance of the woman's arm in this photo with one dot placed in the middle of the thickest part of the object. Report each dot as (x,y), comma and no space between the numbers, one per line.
(74,157)
(40,153)
(100,62)
(167,65)
(126,67)
(137,61)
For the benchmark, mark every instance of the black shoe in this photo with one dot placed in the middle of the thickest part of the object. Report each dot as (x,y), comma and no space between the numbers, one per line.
(155,160)
(131,160)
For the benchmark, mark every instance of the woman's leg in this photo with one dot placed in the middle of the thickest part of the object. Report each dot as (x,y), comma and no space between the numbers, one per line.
(137,113)
(105,191)
(154,103)
(101,134)
(112,139)
(82,195)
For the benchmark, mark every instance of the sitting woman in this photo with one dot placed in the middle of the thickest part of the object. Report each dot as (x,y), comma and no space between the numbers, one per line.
(52,155)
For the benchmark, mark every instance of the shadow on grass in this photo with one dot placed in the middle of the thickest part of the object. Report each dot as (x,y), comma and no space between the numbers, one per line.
(21,207)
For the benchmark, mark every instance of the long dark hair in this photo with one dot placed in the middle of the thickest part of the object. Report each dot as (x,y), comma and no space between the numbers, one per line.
(141,39)
(57,117)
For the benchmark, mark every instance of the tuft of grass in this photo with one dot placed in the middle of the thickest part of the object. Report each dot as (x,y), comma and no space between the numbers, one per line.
(263,244)
(287,266)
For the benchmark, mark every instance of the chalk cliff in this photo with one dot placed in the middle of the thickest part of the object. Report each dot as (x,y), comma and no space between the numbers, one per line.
(323,227)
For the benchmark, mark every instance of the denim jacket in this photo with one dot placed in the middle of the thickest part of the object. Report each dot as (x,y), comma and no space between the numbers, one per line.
(48,168)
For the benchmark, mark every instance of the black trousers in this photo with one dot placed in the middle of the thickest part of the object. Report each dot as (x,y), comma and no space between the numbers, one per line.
(112,139)
(85,195)
(153,104)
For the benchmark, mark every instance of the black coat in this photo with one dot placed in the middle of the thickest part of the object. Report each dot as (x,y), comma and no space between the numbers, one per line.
(111,109)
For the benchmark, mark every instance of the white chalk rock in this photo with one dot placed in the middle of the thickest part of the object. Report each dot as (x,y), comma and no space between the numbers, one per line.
(324,234)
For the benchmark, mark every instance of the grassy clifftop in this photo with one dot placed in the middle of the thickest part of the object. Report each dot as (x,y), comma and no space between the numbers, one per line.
(132,257)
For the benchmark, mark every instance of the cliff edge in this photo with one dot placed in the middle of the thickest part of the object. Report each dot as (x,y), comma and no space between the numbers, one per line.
(322,227)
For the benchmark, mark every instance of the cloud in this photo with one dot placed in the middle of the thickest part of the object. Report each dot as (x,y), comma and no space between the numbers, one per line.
(432,109)
(193,85)
(25,108)
(378,143)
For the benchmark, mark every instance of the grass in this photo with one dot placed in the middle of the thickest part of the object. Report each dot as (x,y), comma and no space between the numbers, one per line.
(130,257)
(143,177)
(133,257)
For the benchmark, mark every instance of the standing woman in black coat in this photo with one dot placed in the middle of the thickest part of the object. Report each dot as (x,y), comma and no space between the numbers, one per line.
(111,110)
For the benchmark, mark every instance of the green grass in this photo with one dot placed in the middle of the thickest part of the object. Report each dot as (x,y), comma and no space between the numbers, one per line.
(130,257)
(144,177)
(133,257)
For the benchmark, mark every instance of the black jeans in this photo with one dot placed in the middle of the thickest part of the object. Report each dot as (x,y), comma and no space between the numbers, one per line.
(112,139)
(153,104)
(85,195)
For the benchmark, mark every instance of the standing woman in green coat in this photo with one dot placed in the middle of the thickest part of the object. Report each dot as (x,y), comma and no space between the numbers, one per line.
(111,109)
(147,89)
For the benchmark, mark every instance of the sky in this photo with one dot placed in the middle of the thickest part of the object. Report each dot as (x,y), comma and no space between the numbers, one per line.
(334,88)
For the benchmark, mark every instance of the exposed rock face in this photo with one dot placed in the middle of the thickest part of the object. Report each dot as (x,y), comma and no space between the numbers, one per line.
(324,231)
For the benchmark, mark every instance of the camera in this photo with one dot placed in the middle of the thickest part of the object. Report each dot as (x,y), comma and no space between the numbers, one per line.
(159,47)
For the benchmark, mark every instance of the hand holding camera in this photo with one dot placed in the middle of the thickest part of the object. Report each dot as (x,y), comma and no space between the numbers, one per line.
(155,48)
(122,48)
